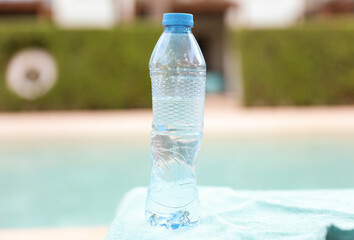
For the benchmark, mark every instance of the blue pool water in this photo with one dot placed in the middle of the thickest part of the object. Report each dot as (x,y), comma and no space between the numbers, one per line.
(79,183)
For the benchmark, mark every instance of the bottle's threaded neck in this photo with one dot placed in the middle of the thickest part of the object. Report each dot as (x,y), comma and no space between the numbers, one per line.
(177,29)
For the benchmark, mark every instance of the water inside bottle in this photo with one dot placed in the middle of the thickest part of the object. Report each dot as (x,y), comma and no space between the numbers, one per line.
(178,109)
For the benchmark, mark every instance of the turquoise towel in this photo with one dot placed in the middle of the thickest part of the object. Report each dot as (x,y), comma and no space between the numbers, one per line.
(229,214)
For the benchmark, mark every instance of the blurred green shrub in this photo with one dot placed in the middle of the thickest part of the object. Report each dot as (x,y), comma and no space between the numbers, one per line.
(311,65)
(98,69)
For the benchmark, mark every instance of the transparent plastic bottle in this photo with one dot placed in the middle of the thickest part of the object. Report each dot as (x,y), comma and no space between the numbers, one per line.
(178,78)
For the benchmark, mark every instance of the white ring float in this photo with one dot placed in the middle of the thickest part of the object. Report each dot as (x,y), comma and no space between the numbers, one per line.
(31,73)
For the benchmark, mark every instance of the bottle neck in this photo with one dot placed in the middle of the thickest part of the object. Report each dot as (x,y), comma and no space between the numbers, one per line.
(177,29)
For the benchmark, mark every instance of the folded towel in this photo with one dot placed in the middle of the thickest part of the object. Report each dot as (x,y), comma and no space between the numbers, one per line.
(229,214)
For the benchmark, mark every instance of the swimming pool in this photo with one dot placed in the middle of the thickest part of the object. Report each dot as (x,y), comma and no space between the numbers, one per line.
(79,182)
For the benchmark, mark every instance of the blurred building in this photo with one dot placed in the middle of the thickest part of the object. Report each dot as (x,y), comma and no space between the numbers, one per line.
(329,8)
(267,13)
(92,13)
(28,8)
(72,13)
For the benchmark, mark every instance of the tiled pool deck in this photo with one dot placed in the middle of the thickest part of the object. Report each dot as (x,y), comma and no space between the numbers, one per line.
(222,117)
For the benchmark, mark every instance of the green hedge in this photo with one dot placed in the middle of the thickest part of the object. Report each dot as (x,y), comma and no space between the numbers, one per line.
(108,69)
(98,69)
(299,66)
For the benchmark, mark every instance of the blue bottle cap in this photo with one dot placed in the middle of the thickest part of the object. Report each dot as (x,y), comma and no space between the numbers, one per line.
(179,19)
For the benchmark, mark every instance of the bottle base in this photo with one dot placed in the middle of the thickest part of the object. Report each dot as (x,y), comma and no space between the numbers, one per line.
(172,220)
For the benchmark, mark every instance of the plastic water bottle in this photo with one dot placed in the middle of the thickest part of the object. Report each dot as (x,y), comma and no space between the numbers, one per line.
(178,77)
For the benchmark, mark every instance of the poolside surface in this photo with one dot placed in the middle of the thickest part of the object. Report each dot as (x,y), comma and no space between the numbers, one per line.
(222,116)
